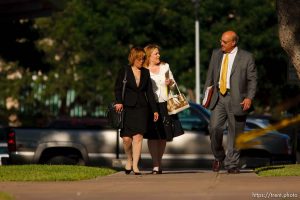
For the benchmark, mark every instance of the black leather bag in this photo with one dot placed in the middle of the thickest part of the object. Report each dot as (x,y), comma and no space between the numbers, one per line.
(172,127)
(116,119)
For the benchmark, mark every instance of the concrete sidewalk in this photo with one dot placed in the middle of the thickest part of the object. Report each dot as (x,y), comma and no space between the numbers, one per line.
(175,184)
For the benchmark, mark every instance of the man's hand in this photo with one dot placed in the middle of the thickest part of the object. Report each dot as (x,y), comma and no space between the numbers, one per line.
(246,104)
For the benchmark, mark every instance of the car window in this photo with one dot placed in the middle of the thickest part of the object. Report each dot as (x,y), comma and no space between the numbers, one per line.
(78,123)
(191,119)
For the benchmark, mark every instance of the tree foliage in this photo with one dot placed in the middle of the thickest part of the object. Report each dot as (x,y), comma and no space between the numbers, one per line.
(85,45)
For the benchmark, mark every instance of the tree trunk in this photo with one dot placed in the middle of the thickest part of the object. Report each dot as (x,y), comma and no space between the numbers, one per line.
(288,12)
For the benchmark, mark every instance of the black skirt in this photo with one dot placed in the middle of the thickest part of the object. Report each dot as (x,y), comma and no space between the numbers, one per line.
(166,128)
(135,121)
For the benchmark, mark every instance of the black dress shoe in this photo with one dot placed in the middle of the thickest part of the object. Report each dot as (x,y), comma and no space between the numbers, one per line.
(234,170)
(216,165)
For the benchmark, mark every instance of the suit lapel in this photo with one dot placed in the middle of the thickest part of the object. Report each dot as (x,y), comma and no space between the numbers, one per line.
(142,77)
(235,62)
(131,78)
(219,64)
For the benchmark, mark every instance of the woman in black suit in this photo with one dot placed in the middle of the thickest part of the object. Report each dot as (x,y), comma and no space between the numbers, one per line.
(138,96)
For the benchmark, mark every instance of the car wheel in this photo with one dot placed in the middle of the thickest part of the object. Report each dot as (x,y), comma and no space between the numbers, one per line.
(65,160)
(252,158)
(253,162)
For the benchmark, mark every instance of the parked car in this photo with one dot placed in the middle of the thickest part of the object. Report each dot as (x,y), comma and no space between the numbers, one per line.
(291,146)
(271,148)
(98,145)
(4,144)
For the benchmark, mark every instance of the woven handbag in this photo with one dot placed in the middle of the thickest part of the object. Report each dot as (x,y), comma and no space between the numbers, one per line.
(176,103)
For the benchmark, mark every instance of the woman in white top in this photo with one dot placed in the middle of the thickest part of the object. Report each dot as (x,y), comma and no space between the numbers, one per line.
(159,133)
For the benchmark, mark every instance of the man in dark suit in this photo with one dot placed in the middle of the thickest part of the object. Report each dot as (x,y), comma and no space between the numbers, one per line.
(232,73)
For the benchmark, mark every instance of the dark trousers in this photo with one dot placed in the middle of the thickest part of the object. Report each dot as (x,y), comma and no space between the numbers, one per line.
(221,114)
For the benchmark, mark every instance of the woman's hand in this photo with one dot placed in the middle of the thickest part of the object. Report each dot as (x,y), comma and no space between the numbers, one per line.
(169,82)
(119,107)
(155,118)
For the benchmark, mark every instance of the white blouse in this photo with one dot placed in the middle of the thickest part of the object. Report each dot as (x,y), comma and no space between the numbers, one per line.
(159,86)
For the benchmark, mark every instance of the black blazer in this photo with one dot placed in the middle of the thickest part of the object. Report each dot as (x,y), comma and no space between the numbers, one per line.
(141,95)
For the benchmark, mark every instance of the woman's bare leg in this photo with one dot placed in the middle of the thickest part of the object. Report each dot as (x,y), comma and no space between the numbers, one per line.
(136,151)
(127,143)
(161,151)
(156,149)
(153,149)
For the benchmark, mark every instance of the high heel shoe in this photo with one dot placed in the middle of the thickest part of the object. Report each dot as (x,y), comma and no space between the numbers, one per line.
(157,172)
(137,173)
(127,171)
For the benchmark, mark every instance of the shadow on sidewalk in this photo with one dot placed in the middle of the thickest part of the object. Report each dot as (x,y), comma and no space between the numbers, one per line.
(242,171)
(186,171)
(181,172)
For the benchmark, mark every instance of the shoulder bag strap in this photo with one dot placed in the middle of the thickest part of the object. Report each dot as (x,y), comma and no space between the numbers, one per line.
(124,84)
(177,88)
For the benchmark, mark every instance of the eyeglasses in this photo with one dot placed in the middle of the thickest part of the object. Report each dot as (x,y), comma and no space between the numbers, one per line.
(225,42)
(141,59)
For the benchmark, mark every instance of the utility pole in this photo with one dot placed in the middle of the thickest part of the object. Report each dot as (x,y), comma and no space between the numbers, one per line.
(197,52)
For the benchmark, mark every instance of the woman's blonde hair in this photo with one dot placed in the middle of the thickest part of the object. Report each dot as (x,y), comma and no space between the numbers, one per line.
(148,50)
(135,53)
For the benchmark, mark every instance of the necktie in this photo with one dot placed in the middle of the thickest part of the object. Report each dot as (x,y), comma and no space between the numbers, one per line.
(224,75)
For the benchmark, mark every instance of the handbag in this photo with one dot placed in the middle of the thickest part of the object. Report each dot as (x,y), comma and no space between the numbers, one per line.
(116,119)
(176,103)
(166,128)
(172,127)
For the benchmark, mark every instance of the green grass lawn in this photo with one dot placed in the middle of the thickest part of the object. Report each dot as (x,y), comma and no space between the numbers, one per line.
(280,170)
(5,196)
(51,172)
